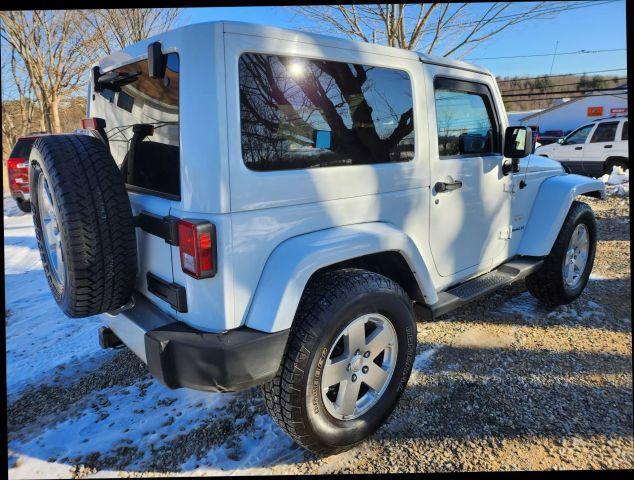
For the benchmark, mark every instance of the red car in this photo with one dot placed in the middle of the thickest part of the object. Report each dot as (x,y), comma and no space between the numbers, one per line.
(18,170)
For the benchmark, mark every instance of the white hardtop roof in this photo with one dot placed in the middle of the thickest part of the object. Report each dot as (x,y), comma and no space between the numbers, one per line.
(307,37)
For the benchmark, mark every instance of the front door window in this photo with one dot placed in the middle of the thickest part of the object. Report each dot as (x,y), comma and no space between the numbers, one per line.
(578,136)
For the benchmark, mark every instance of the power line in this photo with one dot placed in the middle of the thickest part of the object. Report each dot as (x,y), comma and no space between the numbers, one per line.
(578,52)
(566,91)
(591,3)
(555,95)
(562,85)
(519,79)
(560,98)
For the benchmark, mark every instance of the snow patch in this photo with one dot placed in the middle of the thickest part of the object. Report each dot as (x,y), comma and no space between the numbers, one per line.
(423,360)
(42,342)
(11,209)
(617,182)
(525,305)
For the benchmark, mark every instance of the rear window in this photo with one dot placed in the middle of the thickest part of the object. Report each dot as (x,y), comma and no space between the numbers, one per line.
(142,123)
(22,148)
(307,113)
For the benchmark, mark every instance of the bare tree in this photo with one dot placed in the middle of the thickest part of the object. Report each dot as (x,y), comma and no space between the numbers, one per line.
(115,29)
(54,51)
(18,112)
(441,28)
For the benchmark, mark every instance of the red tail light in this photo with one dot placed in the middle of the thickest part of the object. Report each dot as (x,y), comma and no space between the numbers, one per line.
(18,169)
(93,123)
(197,243)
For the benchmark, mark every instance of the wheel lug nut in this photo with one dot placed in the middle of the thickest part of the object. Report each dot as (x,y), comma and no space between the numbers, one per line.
(354,377)
(366,354)
(365,369)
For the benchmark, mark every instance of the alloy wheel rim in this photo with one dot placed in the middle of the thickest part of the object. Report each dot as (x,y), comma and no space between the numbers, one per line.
(50,231)
(576,256)
(359,366)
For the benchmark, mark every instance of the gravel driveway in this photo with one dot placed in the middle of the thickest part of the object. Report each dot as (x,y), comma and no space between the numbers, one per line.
(502,384)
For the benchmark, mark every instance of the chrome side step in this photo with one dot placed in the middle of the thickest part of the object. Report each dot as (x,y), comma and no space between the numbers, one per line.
(470,290)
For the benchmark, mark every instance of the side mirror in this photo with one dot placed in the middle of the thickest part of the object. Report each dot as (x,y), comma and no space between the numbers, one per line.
(156,61)
(518,142)
(560,141)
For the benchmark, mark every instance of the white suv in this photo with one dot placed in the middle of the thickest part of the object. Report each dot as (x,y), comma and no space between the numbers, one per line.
(592,149)
(259,206)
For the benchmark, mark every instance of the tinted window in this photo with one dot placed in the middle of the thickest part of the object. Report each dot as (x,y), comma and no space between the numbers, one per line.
(22,148)
(125,101)
(464,123)
(578,136)
(605,132)
(143,126)
(624,133)
(304,113)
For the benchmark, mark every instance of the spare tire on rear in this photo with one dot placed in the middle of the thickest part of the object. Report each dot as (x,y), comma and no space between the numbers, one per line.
(83,224)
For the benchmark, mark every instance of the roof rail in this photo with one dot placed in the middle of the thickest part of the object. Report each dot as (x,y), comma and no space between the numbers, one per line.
(607,118)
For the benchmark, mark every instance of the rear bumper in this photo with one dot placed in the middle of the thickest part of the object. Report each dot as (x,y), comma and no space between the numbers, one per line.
(181,356)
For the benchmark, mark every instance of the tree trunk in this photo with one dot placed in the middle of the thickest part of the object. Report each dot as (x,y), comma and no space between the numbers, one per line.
(46,117)
(55,120)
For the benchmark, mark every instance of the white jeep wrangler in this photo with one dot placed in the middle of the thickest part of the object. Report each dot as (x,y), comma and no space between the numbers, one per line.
(259,206)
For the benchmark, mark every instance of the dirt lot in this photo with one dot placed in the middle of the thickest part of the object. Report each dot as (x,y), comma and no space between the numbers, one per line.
(503,384)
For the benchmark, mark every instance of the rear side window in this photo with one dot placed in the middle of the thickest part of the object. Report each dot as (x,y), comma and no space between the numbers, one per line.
(307,113)
(624,134)
(142,122)
(464,122)
(605,132)
(22,148)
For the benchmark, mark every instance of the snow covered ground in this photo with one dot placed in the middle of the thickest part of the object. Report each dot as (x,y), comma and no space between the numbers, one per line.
(45,348)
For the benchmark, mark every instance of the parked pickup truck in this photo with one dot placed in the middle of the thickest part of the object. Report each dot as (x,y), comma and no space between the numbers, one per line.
(260,206)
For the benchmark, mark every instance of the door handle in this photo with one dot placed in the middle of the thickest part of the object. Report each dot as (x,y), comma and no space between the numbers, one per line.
(445,187)
(607,146)
(578,148)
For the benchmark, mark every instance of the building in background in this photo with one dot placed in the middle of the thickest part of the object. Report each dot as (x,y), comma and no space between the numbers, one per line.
(568,114)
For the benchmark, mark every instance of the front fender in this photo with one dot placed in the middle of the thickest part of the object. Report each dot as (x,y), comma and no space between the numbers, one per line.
(552,203)
(292,263)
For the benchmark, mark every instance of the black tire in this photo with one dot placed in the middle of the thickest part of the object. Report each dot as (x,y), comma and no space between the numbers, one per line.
(94,219)
(330,302)
(547,284)
(24,205)
(614,162)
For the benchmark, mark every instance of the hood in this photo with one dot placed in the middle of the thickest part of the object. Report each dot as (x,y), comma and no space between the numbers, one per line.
(536,163)
(544,149)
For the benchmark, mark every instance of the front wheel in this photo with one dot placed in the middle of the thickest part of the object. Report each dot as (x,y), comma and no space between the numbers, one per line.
(566,269)
(349,356)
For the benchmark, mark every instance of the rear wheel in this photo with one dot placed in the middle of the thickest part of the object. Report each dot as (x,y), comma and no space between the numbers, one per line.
(348,359)
(24,205)
(611,163)
(83,224)
(566,269)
